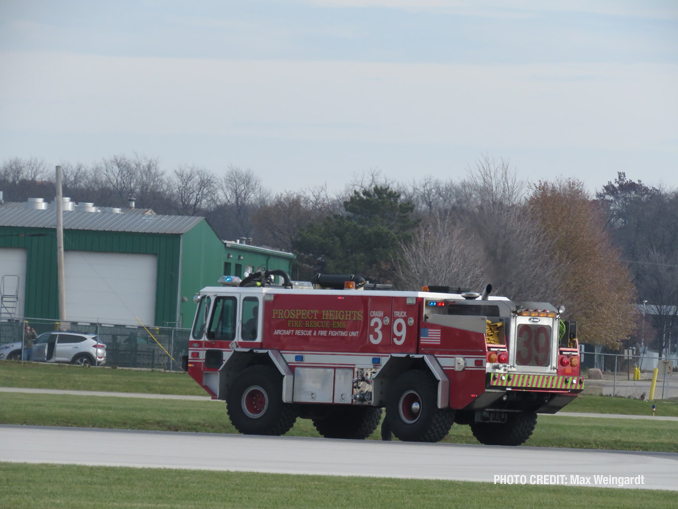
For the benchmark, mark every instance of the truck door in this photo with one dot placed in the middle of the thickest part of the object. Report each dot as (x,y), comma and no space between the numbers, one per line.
(250,319)
(223,322)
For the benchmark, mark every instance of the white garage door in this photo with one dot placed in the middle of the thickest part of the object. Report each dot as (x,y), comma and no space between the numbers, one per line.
(110,287)
(12,281)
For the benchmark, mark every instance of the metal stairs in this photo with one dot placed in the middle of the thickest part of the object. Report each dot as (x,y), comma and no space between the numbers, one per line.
(9,296)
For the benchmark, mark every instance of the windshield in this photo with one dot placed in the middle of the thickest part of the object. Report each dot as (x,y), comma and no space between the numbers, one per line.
(201,317)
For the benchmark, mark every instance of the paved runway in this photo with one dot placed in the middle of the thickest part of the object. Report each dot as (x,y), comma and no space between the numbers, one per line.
(289,455)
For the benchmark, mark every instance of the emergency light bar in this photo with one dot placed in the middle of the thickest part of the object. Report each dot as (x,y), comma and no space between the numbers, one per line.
(536,312)
(229,281)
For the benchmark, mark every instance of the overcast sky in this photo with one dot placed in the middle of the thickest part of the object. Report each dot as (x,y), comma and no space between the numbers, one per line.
(311,92)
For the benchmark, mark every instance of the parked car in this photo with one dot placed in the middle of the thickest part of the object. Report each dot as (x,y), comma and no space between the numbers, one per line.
(73,347)
(10,351)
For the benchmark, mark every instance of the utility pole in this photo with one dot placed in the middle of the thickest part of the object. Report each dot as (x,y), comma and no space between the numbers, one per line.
(642,333)
(61,275)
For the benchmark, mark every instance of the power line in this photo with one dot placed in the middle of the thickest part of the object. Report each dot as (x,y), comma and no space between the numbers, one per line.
(650,263)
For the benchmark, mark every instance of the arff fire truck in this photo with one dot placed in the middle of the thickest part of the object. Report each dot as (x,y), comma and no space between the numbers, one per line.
(340,349)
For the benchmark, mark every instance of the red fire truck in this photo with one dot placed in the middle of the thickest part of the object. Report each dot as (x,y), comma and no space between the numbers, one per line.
(338,350)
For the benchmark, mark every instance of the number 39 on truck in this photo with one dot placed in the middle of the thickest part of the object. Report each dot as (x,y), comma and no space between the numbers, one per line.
(339,350)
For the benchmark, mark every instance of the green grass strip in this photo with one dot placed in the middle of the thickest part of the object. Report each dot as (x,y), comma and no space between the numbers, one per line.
(77,378)
(75,487)
(211,417)
(66,377)
(610,405)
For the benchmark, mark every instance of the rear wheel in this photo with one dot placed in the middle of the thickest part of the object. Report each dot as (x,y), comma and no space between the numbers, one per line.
(355,422)
(254,403)
(515,431)
(412,412)
(83,360)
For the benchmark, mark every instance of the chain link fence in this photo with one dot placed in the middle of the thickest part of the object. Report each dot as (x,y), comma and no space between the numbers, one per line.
(126,346)
(630,375)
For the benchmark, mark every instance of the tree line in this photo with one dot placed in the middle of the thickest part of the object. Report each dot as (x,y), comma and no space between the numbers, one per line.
(600,255)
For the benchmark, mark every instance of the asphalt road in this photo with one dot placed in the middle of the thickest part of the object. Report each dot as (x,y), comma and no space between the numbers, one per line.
(290,455)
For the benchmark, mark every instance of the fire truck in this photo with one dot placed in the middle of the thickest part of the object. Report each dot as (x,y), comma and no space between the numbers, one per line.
(338,350)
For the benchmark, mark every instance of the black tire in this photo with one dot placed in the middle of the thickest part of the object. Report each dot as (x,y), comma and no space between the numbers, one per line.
(515,431)
(83,360)
(386,434)
(14,356)
(254,403)
(352,422)
(412,411)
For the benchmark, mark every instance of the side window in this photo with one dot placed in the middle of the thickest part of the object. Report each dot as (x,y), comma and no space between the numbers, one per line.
(201,317)
(222,323)
(70,338)
(250,319)
(43,338)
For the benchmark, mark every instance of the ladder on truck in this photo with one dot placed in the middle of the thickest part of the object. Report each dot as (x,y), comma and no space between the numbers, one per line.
(9,296)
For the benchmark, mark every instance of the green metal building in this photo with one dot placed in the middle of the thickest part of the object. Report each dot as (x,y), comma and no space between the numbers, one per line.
(122,266)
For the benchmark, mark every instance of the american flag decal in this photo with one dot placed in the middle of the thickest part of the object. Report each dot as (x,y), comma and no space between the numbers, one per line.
(430,336)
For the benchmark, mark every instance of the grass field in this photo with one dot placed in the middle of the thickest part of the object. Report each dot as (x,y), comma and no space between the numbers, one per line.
(211,417)
(43,376)
(74,487)
(77,378)
(610,405)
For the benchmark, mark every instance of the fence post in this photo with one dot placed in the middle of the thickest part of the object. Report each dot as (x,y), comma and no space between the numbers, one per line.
(614,384)
(23,339)
(172,351)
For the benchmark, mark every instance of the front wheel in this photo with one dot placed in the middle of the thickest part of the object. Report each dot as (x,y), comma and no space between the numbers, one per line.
(14,356)
(254,403)
(412,412)
(515,431)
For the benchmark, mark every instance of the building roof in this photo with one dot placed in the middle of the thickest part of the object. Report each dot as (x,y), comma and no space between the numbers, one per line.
(257,249)
(18,215)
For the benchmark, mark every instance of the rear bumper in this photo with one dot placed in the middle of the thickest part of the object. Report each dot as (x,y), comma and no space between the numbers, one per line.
(545,383)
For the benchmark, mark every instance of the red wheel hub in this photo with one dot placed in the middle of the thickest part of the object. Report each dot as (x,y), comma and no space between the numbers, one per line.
(254,402)
(410,407)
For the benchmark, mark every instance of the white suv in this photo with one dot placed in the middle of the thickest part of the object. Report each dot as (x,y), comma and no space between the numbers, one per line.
(73,347)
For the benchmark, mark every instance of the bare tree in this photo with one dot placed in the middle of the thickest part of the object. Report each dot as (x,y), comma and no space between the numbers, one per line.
(15,170)
(428,195)
(74,176)
(439,254)
(240,194)
(281,220)
(193,189)
(483,233)
(118,173)
(495,183)
(24,178)
(140,177)
(151,187)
